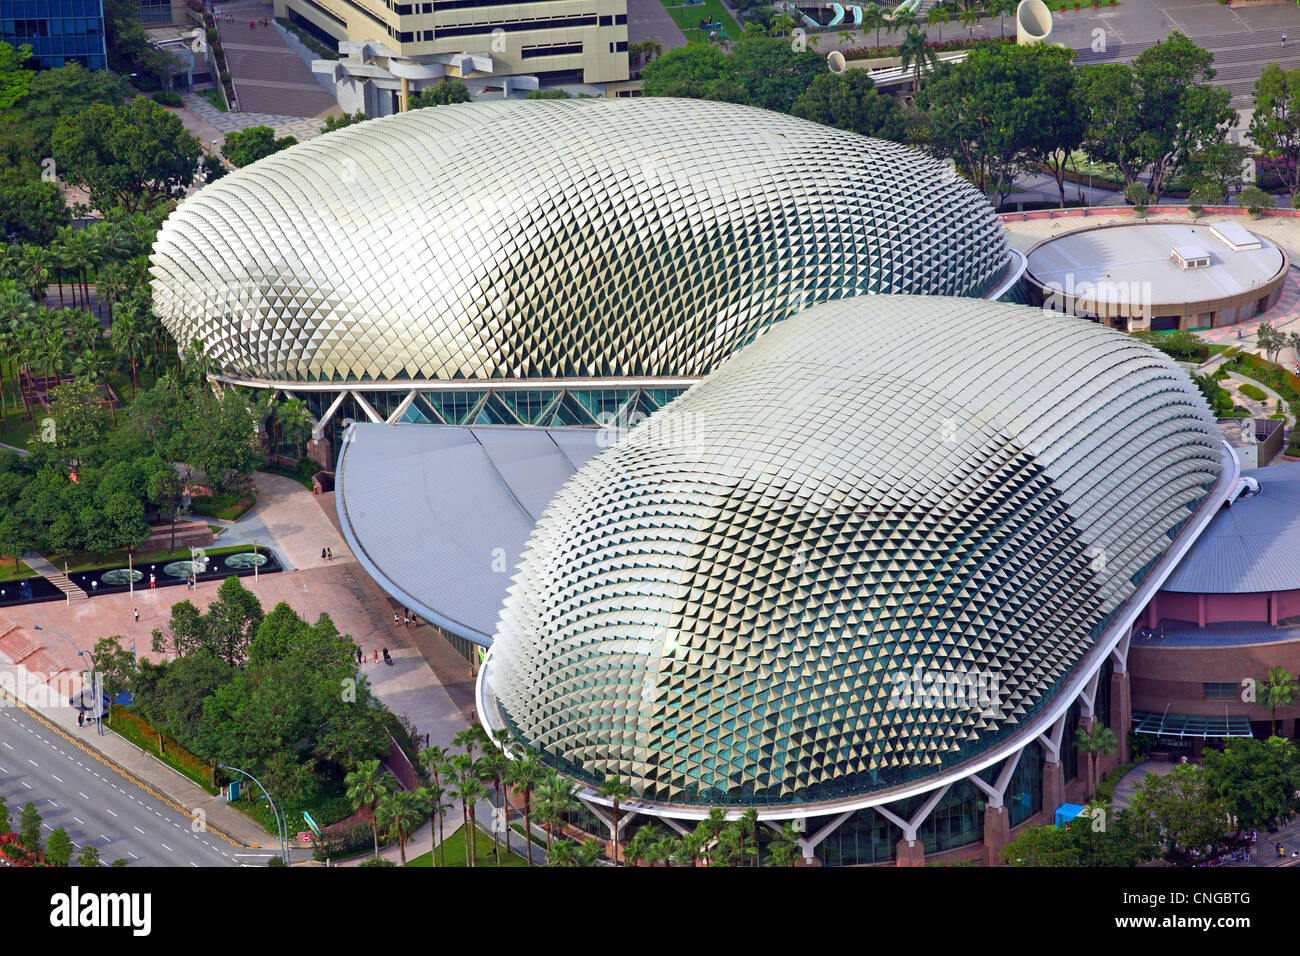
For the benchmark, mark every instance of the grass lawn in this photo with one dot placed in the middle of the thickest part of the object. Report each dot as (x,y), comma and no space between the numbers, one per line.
(688,19)
(7,572)
(214,97)
(454,847)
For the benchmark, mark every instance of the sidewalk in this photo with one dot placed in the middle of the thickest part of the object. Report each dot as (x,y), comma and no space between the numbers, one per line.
(149,772)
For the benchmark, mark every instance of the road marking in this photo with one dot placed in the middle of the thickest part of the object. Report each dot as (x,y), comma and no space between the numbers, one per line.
(192,863)
(32,762)
(26,784)
(79,820)
(110,811)
(82,795)
(9,746)
(57,777)
(52,803)
(132,855)
(137,830)
(166,847)
(105,839)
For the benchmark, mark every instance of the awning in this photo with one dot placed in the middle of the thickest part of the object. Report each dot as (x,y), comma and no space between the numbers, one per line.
(1182,725)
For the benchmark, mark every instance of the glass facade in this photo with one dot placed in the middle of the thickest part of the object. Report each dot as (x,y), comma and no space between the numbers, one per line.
(1069,752)
(546,408)
(155,11)
(59,31)
(865,837)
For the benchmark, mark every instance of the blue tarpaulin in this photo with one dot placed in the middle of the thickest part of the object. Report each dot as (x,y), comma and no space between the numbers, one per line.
(1067,812)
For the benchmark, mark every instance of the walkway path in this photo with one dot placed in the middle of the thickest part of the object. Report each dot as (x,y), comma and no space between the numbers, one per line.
(219,124)
(269,77)
(56,577)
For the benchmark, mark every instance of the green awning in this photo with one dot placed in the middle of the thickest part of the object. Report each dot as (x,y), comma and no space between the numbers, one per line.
(1182,725)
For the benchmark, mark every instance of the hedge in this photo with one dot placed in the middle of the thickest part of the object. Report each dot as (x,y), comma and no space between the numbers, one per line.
(1285,383)
(228,506)
(137,730)
(1252,391)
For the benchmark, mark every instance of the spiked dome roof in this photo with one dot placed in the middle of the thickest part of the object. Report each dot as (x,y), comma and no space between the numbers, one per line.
(745,601)
(555,239)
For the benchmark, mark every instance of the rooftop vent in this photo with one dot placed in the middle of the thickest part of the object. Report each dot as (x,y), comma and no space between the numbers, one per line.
(1235,237)
(1191,256)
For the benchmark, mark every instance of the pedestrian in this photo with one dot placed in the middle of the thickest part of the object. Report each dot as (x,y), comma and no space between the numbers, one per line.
(394,617)
(322,554)
(376,657)
(137,615)
(81,719)
(330,553)
(153,581)
(1284,41)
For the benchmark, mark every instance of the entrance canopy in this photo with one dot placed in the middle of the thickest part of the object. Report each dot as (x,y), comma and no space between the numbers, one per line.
(1180,725)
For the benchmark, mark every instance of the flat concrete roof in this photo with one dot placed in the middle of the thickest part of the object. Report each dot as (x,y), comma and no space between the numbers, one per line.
(1129,256)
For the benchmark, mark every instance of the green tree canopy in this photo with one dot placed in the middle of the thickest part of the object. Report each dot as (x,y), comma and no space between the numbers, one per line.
(1256,779)
(442,93)
(850,101)
(1275,123)
(133,156)
(245,147)
(14,79)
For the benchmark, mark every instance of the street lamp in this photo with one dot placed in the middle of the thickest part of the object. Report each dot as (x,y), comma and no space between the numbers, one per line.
(95,682)
(279,824)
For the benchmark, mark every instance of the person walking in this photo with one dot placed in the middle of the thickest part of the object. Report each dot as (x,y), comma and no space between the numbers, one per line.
(137,615)
(153,581)
(1284,41)
(376,656)
(395,619)
(81,720)
(322,554)
(329,554)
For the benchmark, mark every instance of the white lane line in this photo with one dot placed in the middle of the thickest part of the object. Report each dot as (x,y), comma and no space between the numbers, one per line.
(137,830)
(9,745)
(26,784)
(57,777)
(166,847)
(110,811)
(32,762)
(192,863)
(52,803)
(79,820)
(132,855)
(105,839)
(82,795)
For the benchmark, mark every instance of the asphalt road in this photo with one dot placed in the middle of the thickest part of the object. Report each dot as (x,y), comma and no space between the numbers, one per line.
(99,805)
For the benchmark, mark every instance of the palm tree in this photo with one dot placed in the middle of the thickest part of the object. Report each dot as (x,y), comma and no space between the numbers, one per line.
(293,416)
(52,351)
(1098,739)
(938,16)
(1279,689)
(781,25)
(87,332)
(36,264)
(846,36)
(126,340)
(913,54)
(557,801)
(588,852)
(873,19)
(399,813)
(438,808)
(524,774)
(469,739)
(434,760)
(92,366)
(470,791)
(783,849)
(495,765)
(1001,8)
(615,790)
(365,788)
(970,17)
(639,846)
(562,854)
(692,845)
(747,824)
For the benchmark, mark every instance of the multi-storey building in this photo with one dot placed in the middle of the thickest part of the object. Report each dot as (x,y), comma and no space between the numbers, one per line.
(59,31)
(390,51)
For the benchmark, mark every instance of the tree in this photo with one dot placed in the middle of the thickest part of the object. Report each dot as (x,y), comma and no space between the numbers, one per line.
(557,801)
(470,791)
(31,211)
(771,73)
(89,857)
(135,156)
(79,417)
(442,93)
(873,18)
(115,665)
(970,18)
(29,828)
(556,94)
(524,774)
(688,71)
(914,55)
(232,620)
(438,807)
(247,146)
(58,851)
(1256,779)
(5,823)
(1097,739)
(1055,107)
(14,80)
(1185,806)
(783,849)
(15,540)
(1256,200)
(65,91)
(1275,123)
(1279,688)
(938,16)
(365,788)
(495,766)
(615,790)
(975,109)
(399,813)
(333,123)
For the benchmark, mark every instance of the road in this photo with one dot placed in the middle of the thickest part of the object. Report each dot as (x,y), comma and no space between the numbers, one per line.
(98,804)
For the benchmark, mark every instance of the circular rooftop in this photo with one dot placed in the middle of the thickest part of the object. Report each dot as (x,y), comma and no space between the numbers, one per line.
(1204,274)
(544,239)
(743,601)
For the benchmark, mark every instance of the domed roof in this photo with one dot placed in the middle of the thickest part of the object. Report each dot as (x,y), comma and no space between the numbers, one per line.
(555,239)
(749,599)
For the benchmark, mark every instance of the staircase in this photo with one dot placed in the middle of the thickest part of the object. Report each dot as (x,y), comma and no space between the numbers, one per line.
(64,584)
